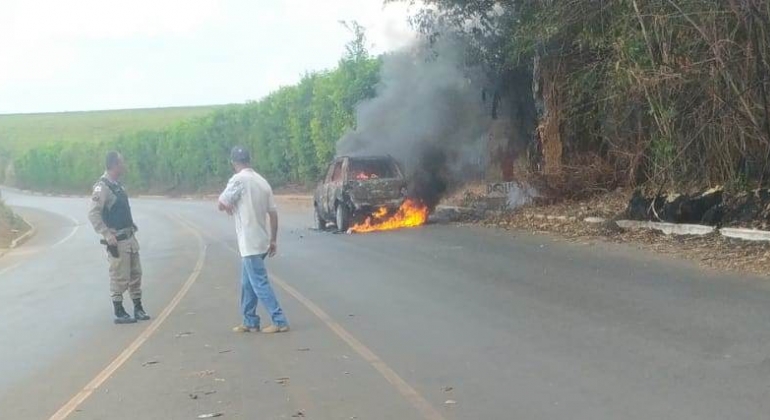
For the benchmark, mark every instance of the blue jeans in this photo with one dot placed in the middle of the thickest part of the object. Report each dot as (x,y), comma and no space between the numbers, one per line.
(254,288)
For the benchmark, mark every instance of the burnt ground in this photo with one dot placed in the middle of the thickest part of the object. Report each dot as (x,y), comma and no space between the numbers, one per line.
(715,207)
(713,251)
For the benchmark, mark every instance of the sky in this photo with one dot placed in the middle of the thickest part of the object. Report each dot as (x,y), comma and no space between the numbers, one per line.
(74,55)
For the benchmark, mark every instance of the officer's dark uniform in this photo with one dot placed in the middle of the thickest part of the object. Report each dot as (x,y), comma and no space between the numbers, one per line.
(110,213)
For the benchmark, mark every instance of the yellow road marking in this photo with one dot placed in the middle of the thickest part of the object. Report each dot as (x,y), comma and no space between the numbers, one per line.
(105,374)
(407,391)
(427,411)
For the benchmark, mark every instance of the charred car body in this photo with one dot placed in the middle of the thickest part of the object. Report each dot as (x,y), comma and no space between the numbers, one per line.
(354,187)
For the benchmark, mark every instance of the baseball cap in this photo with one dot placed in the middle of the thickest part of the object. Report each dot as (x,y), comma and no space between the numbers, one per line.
(239,154)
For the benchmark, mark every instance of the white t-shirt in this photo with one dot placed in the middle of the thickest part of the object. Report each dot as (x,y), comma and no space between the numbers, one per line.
(252,198)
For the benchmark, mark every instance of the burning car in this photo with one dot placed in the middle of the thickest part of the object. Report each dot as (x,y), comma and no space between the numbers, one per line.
(358,191)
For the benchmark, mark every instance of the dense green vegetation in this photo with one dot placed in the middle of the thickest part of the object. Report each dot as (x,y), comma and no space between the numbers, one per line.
(663,92)
(667,93)
(292,133)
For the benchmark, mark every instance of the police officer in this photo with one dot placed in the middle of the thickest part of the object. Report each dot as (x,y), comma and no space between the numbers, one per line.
(110,215)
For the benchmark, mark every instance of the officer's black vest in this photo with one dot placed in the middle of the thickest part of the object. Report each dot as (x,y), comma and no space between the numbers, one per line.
(117,217)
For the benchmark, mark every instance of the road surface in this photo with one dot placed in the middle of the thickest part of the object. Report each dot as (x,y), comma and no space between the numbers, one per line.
(441,322)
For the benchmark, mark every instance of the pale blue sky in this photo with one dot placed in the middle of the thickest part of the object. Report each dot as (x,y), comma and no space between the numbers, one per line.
(58,55)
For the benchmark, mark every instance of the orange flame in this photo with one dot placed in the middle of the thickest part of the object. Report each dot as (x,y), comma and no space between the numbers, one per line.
(362,176)
(412,213)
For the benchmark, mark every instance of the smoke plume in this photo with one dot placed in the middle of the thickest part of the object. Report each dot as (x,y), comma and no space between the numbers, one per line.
(428,114)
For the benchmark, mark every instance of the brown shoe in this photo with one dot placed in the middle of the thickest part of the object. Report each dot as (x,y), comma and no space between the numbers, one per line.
(274,329)
(244,329)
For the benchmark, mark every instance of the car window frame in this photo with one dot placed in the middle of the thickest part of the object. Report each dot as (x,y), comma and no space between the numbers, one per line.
(329,172)
(336,165)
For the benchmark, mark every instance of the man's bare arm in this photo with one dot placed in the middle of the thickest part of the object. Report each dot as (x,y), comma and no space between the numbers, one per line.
(273,232)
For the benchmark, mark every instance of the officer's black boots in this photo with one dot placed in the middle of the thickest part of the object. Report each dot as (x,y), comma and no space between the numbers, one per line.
(139,313)
(121,316)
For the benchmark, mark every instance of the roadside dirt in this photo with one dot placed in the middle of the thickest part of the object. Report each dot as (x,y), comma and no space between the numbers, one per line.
(712,251)
(11,226)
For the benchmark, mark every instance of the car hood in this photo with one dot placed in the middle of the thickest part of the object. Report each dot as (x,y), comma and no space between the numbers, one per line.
(375,191)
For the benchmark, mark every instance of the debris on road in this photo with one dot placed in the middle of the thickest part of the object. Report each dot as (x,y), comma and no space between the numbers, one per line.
(209,392)
(225,351)
(193,396)
(210,415)
(282,381)
(299,414)
(448,389)
(203,373)
(150,362)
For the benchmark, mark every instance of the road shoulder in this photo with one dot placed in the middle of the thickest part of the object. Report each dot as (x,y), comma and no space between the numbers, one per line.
(14,229)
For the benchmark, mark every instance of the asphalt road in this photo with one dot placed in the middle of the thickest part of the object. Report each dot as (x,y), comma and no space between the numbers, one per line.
(440,322)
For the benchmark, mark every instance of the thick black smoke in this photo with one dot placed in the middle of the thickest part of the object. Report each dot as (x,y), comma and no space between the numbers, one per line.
(431,179)
(428,113)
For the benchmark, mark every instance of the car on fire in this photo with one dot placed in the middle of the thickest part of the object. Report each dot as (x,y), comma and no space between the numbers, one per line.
(355,187)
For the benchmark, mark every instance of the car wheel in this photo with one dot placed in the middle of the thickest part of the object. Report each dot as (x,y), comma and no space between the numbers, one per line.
(319,222)
(343,217)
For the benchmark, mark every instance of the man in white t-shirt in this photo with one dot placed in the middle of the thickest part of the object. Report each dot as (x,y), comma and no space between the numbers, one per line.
(249,198)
